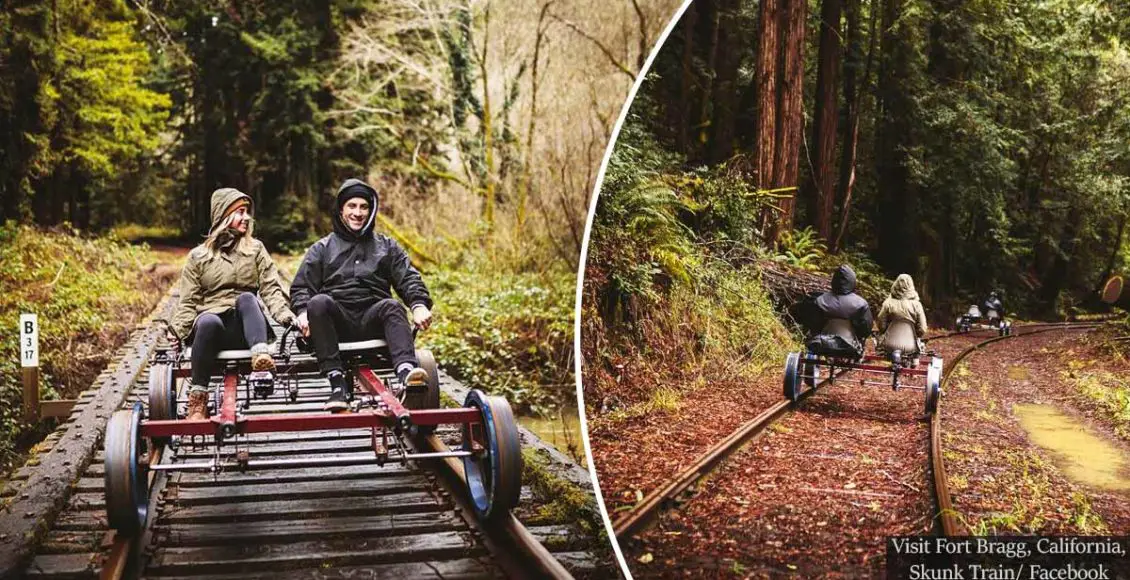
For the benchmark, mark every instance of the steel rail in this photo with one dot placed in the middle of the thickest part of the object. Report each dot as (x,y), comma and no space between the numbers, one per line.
(516,550)
(644,512)
(946,516)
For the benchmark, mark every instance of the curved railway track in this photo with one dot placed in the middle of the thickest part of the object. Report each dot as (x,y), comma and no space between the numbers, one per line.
(333,512)
(633,522)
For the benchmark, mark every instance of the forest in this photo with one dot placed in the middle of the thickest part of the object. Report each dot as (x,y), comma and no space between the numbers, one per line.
(975,145)
(481,123)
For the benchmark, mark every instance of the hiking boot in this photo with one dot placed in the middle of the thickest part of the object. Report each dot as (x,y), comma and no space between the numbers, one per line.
(339,393)
(416,377)
(197,406)
(261,359)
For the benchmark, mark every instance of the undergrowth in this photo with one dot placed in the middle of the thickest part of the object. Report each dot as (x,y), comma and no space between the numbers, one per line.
(87,294)
(1109,392)
(672,295)
(507,333)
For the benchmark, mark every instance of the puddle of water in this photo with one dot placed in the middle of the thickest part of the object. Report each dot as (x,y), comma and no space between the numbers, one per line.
(562,431)
(1018,373)
(1084,456)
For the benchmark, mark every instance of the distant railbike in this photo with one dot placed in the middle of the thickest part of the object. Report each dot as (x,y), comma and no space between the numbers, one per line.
(990,319)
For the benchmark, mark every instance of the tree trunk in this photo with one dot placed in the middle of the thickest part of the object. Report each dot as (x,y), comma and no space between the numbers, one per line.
(898,240)
(686,82)
(767,50)
(786,163)
(1115,249)
(853,97)
(821,190)
(725,81)
(710,30)
(1052,282)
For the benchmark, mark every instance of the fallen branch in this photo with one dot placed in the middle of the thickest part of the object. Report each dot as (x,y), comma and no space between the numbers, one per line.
(412,248)
(902,483)
(848,492)
(57,274)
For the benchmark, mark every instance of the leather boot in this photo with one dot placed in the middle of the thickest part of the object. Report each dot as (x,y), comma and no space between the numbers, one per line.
(197,406)
(261,359)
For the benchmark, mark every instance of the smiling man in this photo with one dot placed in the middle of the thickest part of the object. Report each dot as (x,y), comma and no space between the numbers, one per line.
(343,291)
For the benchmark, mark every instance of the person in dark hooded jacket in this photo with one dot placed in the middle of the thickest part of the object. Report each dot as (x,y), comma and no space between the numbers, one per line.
(991,306)
(343,290)
(838,321)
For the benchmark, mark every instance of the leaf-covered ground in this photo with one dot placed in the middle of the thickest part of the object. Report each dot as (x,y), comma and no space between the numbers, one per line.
(816,495)
(1003,482)
(820,492)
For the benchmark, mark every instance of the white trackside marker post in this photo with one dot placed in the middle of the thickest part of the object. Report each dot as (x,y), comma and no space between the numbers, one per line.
(29,360)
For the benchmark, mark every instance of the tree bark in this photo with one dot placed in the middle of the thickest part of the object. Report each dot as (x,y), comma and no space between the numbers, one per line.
(786,163)
(821,190)
(767,50)
(722,124)
(897,231)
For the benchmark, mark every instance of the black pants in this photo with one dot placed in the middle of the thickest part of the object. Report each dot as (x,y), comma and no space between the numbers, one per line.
(329,323)
(237,328)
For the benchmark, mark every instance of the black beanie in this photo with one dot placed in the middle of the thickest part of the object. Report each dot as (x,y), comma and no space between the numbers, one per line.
(355,190)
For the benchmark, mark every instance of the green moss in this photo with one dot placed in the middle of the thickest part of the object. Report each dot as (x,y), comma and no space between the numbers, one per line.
(562,501)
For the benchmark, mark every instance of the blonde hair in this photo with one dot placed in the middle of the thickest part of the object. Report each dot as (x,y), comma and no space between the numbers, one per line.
(212,241)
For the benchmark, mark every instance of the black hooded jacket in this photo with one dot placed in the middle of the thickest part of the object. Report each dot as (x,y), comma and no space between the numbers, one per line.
(357,269)
(992,303)
(841,302)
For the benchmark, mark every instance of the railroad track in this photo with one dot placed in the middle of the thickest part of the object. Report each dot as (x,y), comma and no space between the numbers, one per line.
(946,516)
(333,512)
(633,522)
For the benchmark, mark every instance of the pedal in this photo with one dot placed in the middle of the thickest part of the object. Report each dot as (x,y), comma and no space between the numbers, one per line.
(263,383)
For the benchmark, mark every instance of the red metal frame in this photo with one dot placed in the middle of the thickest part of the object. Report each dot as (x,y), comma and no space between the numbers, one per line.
(888,368)
(395,415)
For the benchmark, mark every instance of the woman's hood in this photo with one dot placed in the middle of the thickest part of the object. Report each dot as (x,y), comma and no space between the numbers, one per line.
(903,288)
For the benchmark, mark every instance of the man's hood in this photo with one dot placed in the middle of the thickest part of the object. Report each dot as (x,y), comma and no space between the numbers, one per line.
(903,288)
(360,189)
(843,281)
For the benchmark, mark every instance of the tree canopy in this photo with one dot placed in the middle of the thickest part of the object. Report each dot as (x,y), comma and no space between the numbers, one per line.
(974,144)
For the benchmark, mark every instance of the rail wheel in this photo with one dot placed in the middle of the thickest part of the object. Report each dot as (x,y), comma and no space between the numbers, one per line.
(427,398)
(494,475)
(162,396)
(792,376)
(811,371)
(933,385)
(127,494)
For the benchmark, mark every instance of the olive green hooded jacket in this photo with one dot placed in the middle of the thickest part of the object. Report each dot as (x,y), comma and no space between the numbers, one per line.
(211,282)
(903,304)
